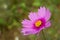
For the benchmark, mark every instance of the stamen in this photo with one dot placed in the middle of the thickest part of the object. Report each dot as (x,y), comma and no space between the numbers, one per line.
(38,23)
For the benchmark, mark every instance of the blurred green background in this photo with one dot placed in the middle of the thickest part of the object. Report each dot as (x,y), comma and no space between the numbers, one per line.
(12,12)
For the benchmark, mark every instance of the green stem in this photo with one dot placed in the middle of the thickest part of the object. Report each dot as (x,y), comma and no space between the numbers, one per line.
(37,37)
(43,35)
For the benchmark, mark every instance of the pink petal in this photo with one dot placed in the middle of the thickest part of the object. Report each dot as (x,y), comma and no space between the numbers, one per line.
(28,26)
(33,16)
(41,12)
(48,15)
(48,24)
(28,31)
(41,28)
(26,22)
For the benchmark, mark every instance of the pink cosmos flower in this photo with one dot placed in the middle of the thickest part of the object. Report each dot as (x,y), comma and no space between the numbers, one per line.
(38,21)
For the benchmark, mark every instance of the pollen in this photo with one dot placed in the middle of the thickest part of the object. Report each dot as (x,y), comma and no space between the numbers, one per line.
(38,23)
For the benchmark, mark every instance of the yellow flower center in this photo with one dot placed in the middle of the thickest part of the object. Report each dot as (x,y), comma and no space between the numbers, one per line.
(38,23)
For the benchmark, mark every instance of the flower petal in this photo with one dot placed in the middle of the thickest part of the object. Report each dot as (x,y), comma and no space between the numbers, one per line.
(33,16)
(47,15)
(27,26)
(26,22)
(48,24)
(41,12)
(27,31)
